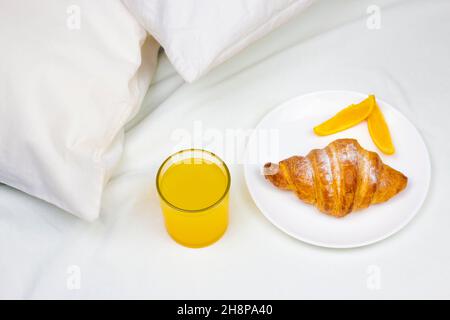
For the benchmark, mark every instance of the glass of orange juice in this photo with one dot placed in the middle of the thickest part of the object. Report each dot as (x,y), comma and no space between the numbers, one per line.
(193,187)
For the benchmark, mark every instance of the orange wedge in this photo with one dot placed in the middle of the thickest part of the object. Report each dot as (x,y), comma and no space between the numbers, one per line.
(379,131)
(346,118)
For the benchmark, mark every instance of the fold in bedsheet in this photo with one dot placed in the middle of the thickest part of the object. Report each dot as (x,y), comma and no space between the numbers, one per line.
(127,253)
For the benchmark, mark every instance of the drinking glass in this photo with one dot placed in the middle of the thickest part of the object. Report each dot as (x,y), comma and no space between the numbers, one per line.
(190,226)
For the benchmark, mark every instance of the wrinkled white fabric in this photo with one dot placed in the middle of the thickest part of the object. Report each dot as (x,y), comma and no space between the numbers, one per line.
(128,254)
(70,78)
(198,35)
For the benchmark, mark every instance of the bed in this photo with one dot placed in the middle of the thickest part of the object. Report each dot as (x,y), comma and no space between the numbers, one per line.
(46,253)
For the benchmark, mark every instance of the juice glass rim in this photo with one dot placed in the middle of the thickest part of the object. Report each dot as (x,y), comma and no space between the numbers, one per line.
(201,210)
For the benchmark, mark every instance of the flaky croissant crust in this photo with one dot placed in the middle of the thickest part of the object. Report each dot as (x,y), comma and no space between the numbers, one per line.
(338,179)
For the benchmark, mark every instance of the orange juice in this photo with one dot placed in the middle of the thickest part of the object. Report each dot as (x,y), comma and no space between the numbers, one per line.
(194,199)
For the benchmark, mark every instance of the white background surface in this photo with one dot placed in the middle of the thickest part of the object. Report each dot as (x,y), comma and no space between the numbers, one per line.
(127,254)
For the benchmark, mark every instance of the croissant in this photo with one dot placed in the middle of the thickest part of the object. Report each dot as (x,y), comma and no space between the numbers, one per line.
(338,179)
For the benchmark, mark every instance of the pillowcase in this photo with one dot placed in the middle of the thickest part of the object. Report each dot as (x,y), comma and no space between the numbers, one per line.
(198,35)
(70,78)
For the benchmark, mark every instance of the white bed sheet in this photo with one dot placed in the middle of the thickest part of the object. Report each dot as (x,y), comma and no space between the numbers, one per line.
(127,253)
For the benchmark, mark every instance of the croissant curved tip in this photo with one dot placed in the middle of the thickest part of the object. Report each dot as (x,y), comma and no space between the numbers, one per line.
(270,169)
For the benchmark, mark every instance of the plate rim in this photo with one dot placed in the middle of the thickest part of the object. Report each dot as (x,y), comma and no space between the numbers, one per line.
(321,243)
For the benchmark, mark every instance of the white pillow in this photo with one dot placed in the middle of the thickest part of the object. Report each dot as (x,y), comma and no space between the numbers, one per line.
(70,78)
(198,35)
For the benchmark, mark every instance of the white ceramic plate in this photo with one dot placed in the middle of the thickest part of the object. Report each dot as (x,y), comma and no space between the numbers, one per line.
(287,131)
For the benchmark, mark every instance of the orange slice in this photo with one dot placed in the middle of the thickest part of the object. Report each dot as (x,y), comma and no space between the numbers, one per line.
(347,118)
(379,131)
